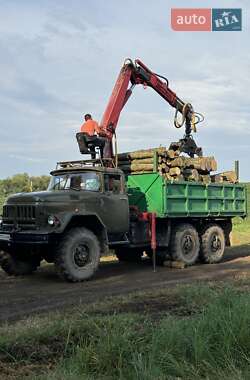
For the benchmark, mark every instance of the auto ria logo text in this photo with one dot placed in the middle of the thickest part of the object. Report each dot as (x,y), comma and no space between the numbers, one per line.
(206,19)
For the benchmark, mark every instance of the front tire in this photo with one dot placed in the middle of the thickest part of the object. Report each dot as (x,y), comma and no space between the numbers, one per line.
(78,255)
(185,244)
(14,266)
(212,244)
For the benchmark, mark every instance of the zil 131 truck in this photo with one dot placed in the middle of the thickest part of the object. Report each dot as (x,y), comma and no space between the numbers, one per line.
(89,209)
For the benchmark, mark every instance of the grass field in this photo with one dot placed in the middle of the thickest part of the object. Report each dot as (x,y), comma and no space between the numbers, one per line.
(189,332)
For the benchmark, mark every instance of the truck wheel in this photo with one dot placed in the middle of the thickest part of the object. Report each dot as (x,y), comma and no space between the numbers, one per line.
(185,244)
(13,266)
(212,244)
(129,255)
(78,255)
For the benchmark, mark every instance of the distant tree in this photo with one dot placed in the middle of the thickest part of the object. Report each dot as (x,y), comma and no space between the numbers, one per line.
(16,184)
(40,183)
(20,183)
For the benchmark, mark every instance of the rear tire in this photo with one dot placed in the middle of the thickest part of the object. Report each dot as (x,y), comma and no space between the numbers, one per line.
(131,255)
(212,244)
(78,255)
(185,244)
(13,266)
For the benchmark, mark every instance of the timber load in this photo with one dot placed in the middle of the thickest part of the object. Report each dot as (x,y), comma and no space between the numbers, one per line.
(173,166)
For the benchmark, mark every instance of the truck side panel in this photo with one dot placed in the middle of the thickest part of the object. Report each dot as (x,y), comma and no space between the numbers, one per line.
(150,192)
(146,192)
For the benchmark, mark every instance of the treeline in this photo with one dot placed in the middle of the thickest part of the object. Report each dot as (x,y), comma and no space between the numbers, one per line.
(21,183)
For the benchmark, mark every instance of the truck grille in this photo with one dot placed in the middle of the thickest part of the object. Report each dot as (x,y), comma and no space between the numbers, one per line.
(19,213)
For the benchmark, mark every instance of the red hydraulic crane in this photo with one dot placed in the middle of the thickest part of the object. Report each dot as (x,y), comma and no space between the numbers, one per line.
(137,73)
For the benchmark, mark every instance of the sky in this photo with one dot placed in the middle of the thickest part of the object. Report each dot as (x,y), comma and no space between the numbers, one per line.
(60,59)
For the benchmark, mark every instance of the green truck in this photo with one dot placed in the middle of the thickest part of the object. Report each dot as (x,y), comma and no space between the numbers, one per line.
(89,209)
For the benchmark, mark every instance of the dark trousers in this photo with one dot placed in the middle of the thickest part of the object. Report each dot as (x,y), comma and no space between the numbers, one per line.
(95,141)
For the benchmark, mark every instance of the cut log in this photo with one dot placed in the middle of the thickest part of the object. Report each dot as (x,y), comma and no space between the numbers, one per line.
(191,174)
(137,167)
(168,177)
(140,154)
(172,166)
(162,159)
(135,155)
(174,171)
(177,162)
(216,178)
(142,172)
(205,178)
(179,177)
(163,165)
(196,163)
(229,176)
(171,153)
(205,164)
(165,169)
(137,161)
(213,164)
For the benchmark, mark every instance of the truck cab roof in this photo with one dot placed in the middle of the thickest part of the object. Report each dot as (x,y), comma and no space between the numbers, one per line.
(85,165)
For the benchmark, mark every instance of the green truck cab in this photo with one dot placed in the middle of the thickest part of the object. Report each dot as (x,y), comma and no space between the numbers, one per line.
(89,209)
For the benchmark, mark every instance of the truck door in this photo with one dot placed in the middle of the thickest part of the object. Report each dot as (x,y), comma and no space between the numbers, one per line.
(114,204)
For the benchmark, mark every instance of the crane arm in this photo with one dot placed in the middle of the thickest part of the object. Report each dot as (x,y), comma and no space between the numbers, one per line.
(117,101)
(137,73)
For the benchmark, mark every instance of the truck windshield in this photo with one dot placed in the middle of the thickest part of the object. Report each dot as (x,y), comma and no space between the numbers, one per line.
(83,181)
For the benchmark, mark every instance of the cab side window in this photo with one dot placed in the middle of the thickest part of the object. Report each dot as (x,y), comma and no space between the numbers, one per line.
(112,183)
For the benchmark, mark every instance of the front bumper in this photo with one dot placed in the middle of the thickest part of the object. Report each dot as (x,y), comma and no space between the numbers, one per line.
(8,239)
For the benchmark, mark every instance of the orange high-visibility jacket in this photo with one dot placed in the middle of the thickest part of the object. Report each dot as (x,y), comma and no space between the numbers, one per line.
(90,127)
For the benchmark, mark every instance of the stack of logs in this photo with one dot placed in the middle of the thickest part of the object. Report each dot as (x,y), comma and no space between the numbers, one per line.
(171,165)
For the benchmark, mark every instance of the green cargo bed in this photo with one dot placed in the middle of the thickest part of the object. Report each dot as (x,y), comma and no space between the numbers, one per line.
(152,193)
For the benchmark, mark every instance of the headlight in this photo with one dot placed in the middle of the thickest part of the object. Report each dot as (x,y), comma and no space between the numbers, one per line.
(53,220)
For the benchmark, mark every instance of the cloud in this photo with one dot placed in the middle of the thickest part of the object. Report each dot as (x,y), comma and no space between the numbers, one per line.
(28,159)
(58,62)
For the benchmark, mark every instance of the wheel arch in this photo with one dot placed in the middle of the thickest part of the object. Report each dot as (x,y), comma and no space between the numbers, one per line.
(94,224)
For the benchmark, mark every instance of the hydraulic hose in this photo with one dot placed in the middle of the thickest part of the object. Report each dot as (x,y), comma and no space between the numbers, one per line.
(185,109)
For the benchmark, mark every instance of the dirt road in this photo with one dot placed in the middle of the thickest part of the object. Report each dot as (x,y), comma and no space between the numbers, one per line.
(43,291)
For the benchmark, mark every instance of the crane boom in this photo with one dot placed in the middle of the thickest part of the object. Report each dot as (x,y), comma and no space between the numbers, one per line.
(135,73)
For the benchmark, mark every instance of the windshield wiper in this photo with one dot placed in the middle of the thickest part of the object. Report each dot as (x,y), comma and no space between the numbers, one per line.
(75,188)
